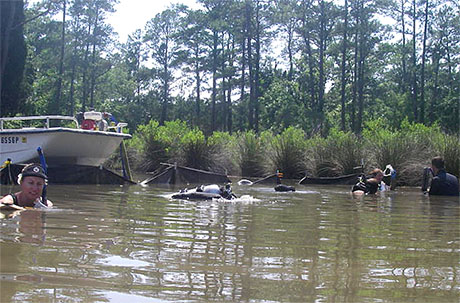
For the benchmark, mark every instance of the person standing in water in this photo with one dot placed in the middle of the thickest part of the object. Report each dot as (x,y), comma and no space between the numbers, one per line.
(32,180)
(443,183)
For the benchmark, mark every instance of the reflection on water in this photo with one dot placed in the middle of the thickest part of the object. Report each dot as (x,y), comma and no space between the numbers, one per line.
(121,244)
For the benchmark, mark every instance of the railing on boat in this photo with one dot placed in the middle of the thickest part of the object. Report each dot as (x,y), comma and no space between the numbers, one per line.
(47,118)
(117,127)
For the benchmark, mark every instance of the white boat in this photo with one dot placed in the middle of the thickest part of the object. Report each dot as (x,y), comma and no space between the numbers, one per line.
(89,144)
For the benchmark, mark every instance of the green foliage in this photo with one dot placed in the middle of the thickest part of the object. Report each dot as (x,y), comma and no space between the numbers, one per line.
(157,144)
(385,146)
(407,150)
(280,109)
(346,149)
(336,155)
(194,150)
(170,134)
(448,147)
(287,153)
(250,154)
(318,160)
(177,52)
(176,142)
(148,142)
(223,146)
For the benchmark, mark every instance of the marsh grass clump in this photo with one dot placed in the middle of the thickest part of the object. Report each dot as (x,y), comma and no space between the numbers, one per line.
(171,134)
(151,150)
(319,162)
(287,153)
(250,154)
(448,146)
(407,149)
(397,150)
(384,146)
(156,144)
(223,146)
(195,152)
(336,155)
(346,151)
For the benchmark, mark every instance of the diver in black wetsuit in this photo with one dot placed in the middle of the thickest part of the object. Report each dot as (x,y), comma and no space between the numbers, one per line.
(366,186)
(281,187)
(226,192)
(443,183)
(206,192)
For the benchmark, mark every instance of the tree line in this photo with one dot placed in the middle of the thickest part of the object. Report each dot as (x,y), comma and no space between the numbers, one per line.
(218,68)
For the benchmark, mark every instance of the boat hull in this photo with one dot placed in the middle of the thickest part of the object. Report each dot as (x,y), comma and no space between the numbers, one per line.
(60,145)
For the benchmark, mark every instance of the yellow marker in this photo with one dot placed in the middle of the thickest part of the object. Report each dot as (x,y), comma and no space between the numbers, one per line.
(6,163)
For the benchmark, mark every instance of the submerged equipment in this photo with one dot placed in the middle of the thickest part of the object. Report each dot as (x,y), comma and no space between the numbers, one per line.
(245,182)
(206,192)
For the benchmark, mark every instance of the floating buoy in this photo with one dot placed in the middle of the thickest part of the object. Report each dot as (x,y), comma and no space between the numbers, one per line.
(245,182)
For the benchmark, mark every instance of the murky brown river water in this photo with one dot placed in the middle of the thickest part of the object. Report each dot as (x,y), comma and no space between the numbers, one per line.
(319,244)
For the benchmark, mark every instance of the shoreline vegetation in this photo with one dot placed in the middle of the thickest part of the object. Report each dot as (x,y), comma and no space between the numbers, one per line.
(408,149)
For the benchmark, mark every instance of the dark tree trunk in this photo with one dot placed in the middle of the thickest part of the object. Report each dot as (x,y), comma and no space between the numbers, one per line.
(243,79)
(414,61)
(344,68)
(322,43)
(85,87)
(224,83)
(198,85)
(165,97)
(58,94)
(257,72)
(405,77)
(12,56)
(290,51)
(422,80)
(250,67)
(214,81)
(435,88)
(360,84)
(93,60)
(229,121)
(355,78)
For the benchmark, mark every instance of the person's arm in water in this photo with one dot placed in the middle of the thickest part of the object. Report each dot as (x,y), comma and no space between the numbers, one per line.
(7,203)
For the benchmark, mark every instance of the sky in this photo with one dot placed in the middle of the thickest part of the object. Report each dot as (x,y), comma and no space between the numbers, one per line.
(134,14)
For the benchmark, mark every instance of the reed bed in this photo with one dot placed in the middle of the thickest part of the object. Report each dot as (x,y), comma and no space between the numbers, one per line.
(408,149)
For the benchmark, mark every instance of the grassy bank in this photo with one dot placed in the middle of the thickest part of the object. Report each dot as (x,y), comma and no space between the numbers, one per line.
(408,149)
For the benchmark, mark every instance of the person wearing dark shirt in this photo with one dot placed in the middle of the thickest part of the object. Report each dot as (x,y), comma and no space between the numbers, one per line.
(443,183)
(368,187)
